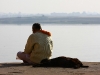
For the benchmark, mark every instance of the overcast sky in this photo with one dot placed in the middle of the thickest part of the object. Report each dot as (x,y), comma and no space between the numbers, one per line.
(49,6)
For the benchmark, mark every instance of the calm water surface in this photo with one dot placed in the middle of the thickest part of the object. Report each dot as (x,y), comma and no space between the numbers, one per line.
(78,41)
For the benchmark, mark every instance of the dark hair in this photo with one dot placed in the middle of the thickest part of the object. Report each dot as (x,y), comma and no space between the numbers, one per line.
(37,26)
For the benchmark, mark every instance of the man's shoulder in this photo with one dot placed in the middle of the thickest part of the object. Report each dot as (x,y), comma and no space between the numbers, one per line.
(34,35)
(38,34)
(31,35)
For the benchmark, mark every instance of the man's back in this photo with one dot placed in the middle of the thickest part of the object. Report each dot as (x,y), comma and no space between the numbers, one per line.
(42,47)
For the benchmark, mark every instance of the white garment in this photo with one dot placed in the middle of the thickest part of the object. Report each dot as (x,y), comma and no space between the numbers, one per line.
(39,46)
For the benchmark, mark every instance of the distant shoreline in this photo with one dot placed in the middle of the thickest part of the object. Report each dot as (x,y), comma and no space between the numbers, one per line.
(50,20)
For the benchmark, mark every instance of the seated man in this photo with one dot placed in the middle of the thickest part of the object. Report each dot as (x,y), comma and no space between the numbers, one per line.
(38,47)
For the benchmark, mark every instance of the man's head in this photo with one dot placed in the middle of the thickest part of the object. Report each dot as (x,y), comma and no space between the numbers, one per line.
(36,27)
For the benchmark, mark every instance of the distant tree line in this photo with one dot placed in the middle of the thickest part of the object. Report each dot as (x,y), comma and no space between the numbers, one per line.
(49,20)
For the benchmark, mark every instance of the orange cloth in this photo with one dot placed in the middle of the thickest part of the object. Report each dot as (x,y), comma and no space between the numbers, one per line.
(45,32)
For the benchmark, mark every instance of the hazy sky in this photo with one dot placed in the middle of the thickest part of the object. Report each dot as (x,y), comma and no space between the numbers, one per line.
(49,6)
